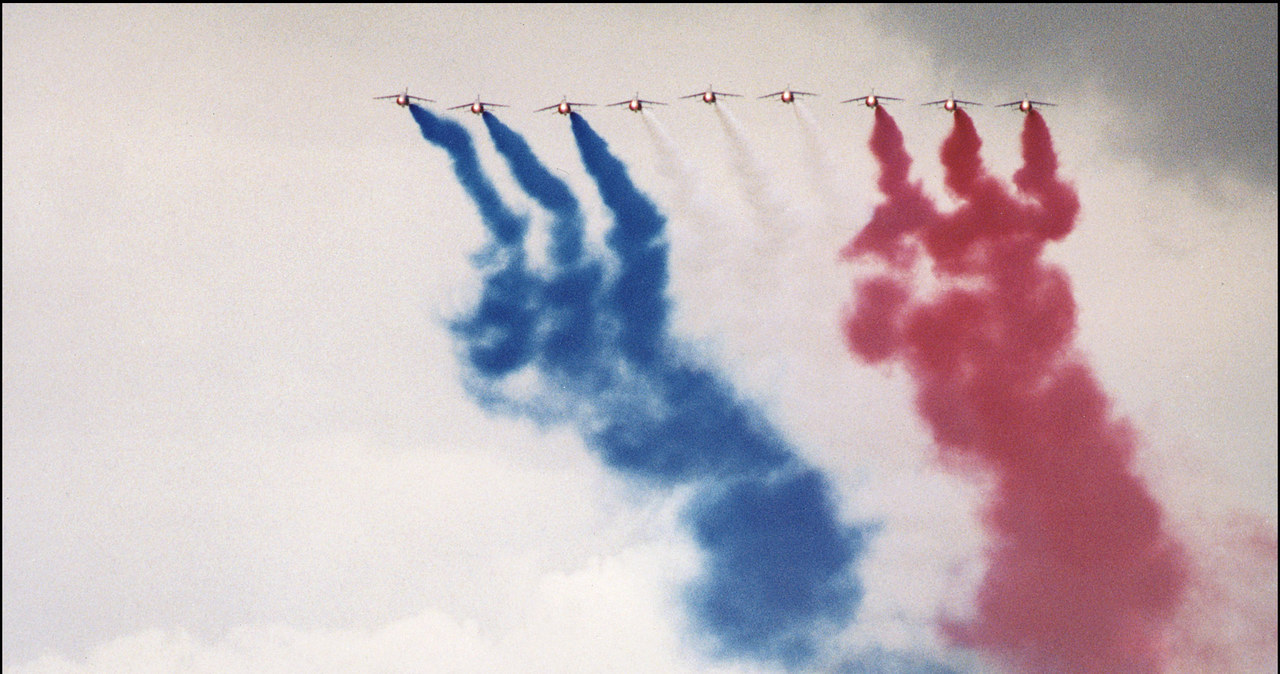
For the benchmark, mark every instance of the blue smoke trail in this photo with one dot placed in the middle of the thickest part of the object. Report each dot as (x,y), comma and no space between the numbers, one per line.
(546,188)
(570,309)
(499,333)
(507,227)
(637,297)
(778,577)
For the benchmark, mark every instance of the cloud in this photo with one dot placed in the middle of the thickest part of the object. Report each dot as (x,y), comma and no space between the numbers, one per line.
(1198,81)
(612,614)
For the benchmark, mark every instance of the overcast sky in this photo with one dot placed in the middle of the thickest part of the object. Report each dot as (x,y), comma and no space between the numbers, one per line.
(235,431)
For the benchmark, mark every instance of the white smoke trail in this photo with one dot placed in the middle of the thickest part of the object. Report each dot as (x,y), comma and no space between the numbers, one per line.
(817,247)
(731,278)
(703,247)
(773,221)
(829,181)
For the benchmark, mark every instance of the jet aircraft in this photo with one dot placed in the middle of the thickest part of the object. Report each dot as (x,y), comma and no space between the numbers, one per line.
(788,95)
(402,100)
(950,103)
(709,96)
(635,104)
(477,107)
(1024,105)
(564,107)
(871,100)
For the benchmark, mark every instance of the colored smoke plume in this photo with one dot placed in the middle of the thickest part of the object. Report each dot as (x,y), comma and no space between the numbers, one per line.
(499,333)
(568,305)
(1082,575)
(777,577)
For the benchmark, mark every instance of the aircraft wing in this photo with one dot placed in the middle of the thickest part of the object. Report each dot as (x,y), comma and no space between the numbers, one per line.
(958,101)
(553,106)
(776,93)
(700,94)
(1041,103)
(376,98)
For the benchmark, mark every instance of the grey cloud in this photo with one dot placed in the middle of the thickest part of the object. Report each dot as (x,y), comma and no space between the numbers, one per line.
(1201,79)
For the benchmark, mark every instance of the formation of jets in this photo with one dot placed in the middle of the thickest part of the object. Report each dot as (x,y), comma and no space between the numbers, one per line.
(710,96)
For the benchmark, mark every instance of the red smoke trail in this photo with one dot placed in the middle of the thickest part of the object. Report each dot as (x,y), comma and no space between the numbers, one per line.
(1082,575)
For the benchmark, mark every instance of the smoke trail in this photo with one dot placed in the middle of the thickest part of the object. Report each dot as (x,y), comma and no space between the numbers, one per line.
(672,161)
(823,171)
(777,578)
(568,315)
(1082,575)
(717,249)
(775,265)
(707,248)
(773,224)
(706,245)
(499,333)
(542,185)
(884,236)
(637,297)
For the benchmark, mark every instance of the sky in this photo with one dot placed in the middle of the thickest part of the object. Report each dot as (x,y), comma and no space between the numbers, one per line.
(245,427)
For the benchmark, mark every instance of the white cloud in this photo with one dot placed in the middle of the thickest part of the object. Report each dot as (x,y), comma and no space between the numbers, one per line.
(614,614)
